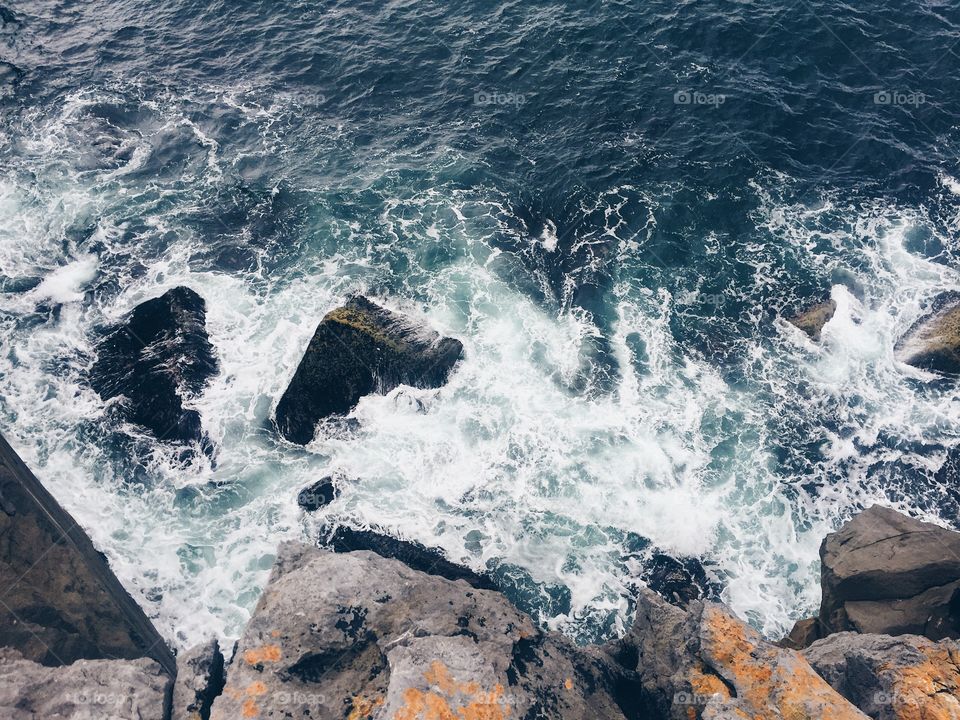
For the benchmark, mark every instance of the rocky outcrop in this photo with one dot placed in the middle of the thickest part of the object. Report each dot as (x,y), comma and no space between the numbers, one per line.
(84,690)
(359,349)
(705,663)
(156,361)
(886,573)
(892,678)
(359,636)
(933,343)
(320,494)
(60,601)
(812,319)
(200,680)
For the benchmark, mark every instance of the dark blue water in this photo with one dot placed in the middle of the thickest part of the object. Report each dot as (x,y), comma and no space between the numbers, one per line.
(611,203)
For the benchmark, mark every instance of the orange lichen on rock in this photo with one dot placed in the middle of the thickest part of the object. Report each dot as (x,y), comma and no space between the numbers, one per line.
(249,708)
(708,686)
(449,699)
(265,654)
(929,690)
(363,708)
(568,683)
(769,681)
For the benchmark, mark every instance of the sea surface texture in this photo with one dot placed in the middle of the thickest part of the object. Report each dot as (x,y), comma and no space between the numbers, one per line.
(612,204)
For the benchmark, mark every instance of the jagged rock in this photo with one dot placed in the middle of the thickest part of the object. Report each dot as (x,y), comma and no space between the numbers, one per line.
(360,636)
(812,319)
(886,573)
(705,663)
(358,349)
(159,358)
(318,495)
(411,553)
(60,600)
(85,690)
(679,581)
(933,343)
(804,633)
(200,680)
(901,678)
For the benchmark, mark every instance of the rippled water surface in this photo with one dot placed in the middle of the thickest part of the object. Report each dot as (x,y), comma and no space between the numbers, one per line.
(610,203)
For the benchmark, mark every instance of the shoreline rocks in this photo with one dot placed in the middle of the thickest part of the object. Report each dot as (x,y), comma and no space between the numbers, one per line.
(812,319)
(358,349)
(933,343)
(156,360)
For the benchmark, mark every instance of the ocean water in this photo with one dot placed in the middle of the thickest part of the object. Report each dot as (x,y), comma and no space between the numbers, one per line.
(611,204)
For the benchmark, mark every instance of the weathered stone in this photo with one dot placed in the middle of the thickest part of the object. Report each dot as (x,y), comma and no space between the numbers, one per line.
(61,602)
(803,633)
(85,690)
(359,636)
(705,663)
(359,349)
(200,680)
(159,358)
(320,494)
(901,678)
(812,319)
(885,572)
(933,343)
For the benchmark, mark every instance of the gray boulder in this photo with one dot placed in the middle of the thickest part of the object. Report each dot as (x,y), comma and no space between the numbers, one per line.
(361,636)
(85,690)
(933,343)
(892,678)
(200,680)
(886,573)
(359,349)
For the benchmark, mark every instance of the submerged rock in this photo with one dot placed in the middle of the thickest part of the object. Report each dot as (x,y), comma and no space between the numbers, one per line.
(812,319)
(359,636)
(886,573)
(159,358)
(679,581)
(933,343)
(318,495)
(84,690)
(901,678)
(358,349)
(704,663)
(200,680)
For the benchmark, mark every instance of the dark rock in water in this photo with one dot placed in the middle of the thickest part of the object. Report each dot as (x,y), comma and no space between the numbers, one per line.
(812,319)
(200,681)
(679,581)
(60,601)
(410,553)
(358,349)
(891,678)
(703,662)
(886,573)
(933,343)
(542,601)
(83,690)
(160,357)
(318,495)
(359,636)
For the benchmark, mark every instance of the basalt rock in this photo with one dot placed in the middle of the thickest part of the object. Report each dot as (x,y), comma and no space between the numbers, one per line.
(704,663)
(892,678)
(359,349)
(933,343)
(84,690)
(157,360)
(886,573)
(812,319)
(359,636)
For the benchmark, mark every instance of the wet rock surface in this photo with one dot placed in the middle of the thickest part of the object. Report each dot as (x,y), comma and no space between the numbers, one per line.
(886,573)
(154,362)
(933,343)
(359,349)
(84,690)
(358,636)
(320,494)
(892,678)
(812,319)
